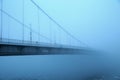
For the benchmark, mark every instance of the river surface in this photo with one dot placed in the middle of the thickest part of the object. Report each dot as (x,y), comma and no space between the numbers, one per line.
(54,67)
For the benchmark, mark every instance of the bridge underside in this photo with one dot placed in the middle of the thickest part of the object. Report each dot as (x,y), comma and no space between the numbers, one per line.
(8,49)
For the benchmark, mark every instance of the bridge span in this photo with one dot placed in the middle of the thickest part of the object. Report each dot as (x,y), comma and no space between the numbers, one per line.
(18,47)
(31,31)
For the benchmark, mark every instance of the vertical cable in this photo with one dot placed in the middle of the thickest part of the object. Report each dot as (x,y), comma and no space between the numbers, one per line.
(1,19)
(23,22)
(66,40)
(59,36)
(70,42)
(8,29)
(50,31)
(30,33)
(54,36)
(62,28)
(38,24)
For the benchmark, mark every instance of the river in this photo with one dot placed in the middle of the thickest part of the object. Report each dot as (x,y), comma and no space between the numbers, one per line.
(53,67)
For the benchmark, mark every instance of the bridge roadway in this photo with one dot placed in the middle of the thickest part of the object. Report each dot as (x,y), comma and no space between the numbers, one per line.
(10,47)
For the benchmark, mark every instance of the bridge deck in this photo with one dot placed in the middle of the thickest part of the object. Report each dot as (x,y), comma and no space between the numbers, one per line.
(35,44)
(18,47)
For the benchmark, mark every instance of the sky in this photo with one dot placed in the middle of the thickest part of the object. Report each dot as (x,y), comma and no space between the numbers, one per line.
(95,22)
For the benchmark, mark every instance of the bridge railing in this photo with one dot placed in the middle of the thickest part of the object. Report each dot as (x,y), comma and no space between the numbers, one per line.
(34,43)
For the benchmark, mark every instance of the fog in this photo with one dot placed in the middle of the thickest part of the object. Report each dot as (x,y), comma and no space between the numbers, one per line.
(95,22)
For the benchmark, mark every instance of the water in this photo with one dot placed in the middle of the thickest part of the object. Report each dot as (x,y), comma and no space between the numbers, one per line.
(53,67)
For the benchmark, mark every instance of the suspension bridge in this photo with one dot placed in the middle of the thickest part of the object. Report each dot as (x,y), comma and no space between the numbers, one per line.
(26,29)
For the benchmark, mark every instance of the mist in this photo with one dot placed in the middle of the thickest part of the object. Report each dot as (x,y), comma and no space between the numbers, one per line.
(96,23)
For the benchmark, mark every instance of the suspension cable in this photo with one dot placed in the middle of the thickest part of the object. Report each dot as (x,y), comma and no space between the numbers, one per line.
(57,23)
(24,24)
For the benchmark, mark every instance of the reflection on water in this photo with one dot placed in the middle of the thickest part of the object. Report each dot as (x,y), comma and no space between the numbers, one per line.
(56,67)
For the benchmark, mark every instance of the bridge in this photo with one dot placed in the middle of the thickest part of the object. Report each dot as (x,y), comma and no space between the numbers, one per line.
(28,30)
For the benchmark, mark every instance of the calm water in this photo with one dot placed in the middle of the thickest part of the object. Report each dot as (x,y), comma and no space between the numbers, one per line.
(54,67)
